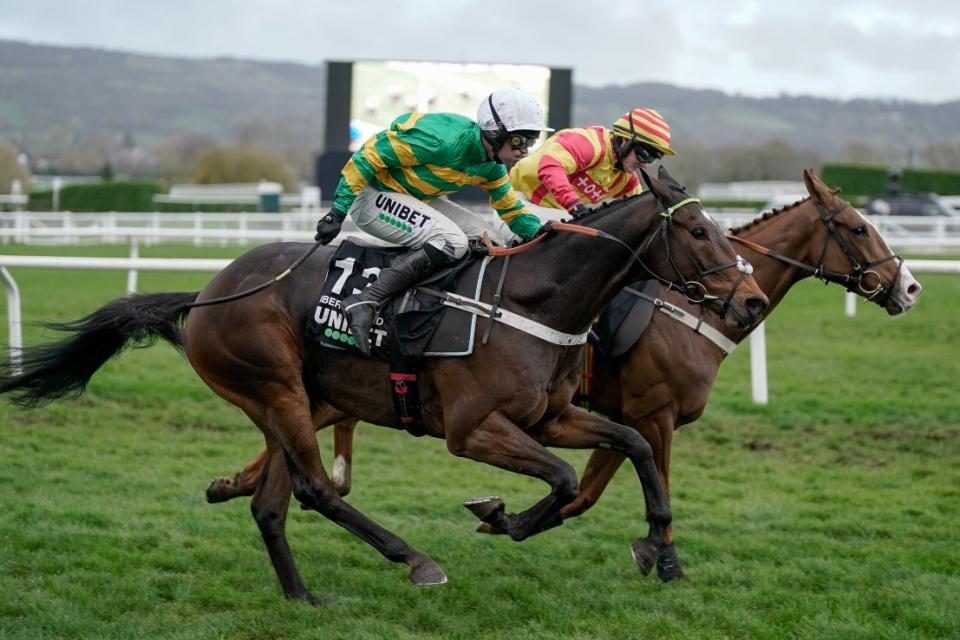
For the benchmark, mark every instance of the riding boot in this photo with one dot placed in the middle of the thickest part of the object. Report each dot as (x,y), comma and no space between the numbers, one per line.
(361,309)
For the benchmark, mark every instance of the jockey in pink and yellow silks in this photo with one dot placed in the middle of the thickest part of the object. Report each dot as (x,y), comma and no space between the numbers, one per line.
(586,166)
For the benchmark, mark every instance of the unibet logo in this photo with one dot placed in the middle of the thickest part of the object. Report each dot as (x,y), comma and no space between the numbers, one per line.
(397,223)
(333,334)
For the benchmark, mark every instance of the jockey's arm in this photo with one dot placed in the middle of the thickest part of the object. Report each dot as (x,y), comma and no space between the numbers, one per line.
(564,155)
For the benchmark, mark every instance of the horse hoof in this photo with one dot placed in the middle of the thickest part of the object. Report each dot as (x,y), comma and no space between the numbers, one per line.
(220,490)
(644,554)
(668,564)
(485,508)
(486,527)
(427,573)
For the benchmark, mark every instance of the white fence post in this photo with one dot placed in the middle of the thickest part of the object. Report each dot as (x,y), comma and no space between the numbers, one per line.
(13,320)
(758,363)
(132,273)
(850,304)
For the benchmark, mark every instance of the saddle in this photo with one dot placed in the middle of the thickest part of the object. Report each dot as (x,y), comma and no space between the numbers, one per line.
(620,326)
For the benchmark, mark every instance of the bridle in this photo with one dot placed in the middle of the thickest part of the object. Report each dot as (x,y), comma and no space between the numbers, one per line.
(856,282)
(694,290)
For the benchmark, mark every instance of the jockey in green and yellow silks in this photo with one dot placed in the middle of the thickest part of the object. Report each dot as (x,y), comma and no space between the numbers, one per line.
(393,189)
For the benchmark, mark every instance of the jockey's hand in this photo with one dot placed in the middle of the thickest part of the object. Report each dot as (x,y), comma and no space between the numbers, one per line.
(329,226)
(577,210)
(545,229)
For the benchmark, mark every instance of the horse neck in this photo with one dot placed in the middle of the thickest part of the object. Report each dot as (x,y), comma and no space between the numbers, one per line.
(570,278)
(796,233)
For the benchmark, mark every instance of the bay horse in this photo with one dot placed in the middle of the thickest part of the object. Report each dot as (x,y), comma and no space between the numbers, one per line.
(252,352)
(663,382)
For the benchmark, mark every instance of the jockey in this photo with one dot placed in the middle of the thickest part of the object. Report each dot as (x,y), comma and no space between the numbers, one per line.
(577,167)
(387,183)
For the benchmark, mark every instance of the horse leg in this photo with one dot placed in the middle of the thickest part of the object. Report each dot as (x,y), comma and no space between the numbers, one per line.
(245,481)
(600,469)
(499,442)
(578,429)
(288,418)
(269,509)
(343,454)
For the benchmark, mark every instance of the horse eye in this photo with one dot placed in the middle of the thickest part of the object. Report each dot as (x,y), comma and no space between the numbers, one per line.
(699,233)
(860,231)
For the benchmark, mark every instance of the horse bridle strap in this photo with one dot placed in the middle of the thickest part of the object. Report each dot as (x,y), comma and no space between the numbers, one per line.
(684,317)
(848,281)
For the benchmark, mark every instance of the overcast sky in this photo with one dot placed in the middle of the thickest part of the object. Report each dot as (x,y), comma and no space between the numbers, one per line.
(836,49)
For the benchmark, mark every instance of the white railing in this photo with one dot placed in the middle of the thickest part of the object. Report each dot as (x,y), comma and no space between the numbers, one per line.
(758,351)
(903,233)
(65,227)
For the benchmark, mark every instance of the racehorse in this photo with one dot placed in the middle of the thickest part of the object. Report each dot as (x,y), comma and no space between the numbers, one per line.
(252,353)
(663,382)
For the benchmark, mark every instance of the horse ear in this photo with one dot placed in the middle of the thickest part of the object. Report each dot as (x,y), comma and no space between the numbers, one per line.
(817,189)
(659,190)
(664,176)
(645,179)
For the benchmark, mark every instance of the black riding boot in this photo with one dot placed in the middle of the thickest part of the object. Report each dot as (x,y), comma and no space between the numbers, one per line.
(361,309)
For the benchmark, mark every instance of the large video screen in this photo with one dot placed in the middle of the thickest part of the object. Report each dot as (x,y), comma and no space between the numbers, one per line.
(363,97)
(383,90)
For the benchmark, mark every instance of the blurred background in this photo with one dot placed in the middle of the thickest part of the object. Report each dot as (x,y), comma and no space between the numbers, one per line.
(145,97)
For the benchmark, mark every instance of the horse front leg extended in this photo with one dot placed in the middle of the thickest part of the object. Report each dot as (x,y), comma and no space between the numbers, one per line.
(578,429)
(499,442)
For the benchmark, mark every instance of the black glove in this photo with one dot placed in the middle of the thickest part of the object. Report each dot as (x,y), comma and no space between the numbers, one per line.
(545,228)
(329,226)
(577,210)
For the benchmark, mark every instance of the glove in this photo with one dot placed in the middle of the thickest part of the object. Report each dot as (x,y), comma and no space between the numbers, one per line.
(329,226)
(545,228)
(577,210)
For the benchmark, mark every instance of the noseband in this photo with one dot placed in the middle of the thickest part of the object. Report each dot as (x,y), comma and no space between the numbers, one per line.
(694,290)
(855,282)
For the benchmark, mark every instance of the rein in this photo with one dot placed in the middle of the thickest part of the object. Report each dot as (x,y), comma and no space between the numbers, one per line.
(861,268)
(694,290)
(260,287)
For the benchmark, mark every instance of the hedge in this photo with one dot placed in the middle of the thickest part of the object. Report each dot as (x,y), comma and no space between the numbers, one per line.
(102,196)
(860,180)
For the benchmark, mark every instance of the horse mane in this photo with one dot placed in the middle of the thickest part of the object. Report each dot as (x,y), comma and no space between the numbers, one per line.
(767,216)
(589,214)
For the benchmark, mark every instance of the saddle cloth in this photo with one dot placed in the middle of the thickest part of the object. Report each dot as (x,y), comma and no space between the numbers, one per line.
(410,326)
(620,326)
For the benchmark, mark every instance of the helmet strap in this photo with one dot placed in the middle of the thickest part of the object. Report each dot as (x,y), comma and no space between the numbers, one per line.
(621,147)
(499,137)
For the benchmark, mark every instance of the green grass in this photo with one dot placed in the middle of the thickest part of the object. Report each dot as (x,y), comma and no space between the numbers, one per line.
(832,512)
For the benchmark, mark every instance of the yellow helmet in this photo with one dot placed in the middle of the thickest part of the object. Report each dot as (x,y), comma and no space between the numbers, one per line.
(645,126)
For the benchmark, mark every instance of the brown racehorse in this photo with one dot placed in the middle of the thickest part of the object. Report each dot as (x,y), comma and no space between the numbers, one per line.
(252,353)
(663,382)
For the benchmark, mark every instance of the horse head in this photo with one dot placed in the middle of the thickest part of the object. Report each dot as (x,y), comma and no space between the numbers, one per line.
(695,257)
(850,251)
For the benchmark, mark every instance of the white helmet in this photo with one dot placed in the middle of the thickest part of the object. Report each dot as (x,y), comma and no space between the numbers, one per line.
(507,110)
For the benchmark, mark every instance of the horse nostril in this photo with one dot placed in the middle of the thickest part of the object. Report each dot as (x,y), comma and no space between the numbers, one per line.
(756,306)
(914,289)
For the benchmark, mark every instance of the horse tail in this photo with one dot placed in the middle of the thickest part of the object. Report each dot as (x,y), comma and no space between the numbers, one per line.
(63,368)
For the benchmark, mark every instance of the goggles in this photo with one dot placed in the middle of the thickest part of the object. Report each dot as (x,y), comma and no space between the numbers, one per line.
(645,153)
(523,141)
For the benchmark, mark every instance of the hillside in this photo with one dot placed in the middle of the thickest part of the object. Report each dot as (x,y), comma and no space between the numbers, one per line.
(57,100)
